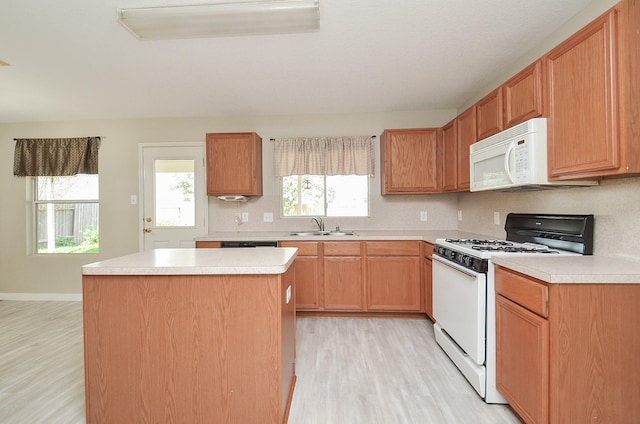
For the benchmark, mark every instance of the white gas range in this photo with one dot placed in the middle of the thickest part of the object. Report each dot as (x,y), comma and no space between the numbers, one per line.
(463,287)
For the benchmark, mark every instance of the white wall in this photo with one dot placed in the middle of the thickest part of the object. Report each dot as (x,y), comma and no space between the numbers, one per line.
(23,272)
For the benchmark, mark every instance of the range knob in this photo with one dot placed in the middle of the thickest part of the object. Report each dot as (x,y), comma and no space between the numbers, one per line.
(467,260)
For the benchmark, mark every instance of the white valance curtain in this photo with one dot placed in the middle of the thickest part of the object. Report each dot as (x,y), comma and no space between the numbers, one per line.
(324,156)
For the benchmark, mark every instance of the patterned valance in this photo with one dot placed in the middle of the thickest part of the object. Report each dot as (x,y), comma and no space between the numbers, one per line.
(56,156)
(324,156)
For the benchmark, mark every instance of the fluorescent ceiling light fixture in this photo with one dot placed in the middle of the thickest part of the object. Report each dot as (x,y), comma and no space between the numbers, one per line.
(222,19)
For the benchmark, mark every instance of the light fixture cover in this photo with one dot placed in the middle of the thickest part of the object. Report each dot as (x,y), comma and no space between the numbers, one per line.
(222,19)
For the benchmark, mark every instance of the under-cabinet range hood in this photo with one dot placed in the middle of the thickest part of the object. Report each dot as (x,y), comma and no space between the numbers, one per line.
(234,198)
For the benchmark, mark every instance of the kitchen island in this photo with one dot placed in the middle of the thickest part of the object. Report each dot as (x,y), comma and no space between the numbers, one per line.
(189,336)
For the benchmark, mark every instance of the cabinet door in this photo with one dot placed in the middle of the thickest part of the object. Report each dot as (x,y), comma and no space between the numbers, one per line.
(450,156)
(427,279)
(522,360)
(307,283)
(583,123)
(234,164)
(523,95)
(393,283)
(489,114)
(307,266)
(343,283)
(410,161)
(467,135)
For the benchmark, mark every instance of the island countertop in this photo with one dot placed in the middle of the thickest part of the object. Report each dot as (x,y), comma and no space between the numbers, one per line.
(192,261)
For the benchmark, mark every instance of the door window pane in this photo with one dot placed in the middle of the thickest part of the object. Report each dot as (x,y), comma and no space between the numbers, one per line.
(174,193)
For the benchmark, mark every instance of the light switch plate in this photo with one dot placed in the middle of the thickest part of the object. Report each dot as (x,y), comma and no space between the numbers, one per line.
(459,214)
(245,216)
(268,217)
(423,216)
(496,218)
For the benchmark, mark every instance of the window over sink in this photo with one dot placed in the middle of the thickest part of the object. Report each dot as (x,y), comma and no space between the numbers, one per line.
(325,195)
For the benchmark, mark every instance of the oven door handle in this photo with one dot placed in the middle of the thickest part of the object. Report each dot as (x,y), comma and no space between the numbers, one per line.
(455,266)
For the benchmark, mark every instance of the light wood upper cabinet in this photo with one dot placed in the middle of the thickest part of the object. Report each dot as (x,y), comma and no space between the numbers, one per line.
(467,135)
(450,156)
(523,95)
(411,161)
(594,88)
(234,164)
(489,114)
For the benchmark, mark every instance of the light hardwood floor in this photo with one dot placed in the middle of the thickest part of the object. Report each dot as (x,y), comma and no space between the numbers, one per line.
(349,371)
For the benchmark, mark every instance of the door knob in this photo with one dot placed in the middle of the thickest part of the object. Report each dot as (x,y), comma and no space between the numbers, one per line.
(147,230)
(148,219)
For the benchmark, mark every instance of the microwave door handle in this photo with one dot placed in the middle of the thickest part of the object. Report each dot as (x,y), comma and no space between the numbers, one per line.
(506,163)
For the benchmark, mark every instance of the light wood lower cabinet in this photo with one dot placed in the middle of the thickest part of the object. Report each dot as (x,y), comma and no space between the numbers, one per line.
(568,353)
(188,348)
(343,281)
(208,244)
(427,279)
(357,276)
(523,358)
(393,275)
(308,271)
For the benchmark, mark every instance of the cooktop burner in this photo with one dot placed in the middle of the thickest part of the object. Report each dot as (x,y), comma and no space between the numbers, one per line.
(480,242)
(513,249)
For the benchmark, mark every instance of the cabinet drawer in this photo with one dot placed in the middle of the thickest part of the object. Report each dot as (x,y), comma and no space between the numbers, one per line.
(342,248)
(393,248)
(524,291)
(305,248)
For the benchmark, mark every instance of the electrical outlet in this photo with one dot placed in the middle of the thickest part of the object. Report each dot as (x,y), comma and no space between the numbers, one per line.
(459,214)
(134,199)
(268,217)
(496,218)
(245,216)
(423,216)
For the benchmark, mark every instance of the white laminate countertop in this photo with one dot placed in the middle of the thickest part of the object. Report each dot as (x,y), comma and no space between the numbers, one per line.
(282,235)
(192,261)
(574,269)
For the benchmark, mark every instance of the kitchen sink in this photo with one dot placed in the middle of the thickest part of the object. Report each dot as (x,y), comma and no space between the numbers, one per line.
(322,233)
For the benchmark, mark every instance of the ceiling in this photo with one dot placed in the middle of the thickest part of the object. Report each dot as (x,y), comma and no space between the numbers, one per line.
(72,60)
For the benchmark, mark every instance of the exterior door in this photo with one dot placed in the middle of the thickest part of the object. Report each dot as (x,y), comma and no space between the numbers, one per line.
(174,206)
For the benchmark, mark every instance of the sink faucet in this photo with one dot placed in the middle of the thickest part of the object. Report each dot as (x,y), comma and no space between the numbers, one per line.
(318,221)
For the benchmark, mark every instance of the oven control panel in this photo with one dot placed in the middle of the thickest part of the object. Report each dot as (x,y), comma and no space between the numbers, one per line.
(467,261)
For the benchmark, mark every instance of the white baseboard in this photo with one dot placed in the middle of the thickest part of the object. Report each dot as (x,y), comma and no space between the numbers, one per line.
(41,296)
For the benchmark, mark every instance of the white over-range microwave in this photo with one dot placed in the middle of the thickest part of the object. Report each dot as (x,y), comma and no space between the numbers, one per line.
(515,159)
